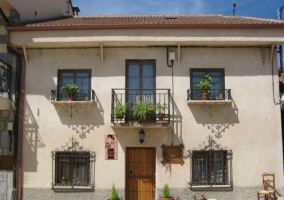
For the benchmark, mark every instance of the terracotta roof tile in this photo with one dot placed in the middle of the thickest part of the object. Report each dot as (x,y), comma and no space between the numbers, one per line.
(154,20)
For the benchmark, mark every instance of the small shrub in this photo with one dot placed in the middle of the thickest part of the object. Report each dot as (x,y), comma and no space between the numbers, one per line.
(166,191)
(114,194)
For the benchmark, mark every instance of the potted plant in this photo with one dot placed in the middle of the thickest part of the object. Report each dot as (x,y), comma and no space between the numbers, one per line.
(205,86)
(114,194)
(166,195)
(63,180)
(143,111)
(119,110)
(71,90)
(161,110)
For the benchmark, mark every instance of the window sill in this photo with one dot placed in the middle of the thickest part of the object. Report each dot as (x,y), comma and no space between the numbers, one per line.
(74,188)
(72,102)
(211,187)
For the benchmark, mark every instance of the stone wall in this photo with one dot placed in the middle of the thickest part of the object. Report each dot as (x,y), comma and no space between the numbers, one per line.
(238,193)
(6,185)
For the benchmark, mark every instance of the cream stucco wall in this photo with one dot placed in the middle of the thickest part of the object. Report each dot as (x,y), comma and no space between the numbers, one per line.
(249,126)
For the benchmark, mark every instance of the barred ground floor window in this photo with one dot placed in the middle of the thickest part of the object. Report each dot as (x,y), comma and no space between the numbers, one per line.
(72,168)
(211,168)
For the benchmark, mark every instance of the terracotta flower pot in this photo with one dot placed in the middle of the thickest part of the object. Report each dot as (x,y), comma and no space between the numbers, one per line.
(161,116)
(169,198)
(71,97)
(119,116)
(205,96)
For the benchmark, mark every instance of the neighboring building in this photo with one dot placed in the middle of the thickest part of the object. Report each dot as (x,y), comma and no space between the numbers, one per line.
(11,67)
(40,9)
(9,105)
(218,147)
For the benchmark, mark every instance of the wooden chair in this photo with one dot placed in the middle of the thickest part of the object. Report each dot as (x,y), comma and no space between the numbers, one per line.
(268,192)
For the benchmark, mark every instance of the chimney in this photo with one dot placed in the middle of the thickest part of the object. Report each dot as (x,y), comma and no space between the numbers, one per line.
(76,10)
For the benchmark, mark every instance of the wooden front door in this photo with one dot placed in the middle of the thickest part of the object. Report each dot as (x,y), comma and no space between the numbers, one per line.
(140,173)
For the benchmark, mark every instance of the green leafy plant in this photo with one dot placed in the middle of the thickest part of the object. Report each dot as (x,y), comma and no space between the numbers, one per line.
(114,194)
(205,84)
(143,110)
(70,89)
(119,110)
(161,107)
(166,191)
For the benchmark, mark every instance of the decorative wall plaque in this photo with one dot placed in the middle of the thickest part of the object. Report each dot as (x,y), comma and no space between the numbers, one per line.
(172,154)
(110,147)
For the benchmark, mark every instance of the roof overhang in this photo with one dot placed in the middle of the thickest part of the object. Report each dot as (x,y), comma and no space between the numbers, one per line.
(146,37)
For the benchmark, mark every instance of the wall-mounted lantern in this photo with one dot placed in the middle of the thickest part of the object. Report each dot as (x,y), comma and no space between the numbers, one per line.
(141,136)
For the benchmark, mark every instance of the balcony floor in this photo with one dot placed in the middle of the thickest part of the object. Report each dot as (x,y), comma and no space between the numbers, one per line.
(192,102)
(137,125)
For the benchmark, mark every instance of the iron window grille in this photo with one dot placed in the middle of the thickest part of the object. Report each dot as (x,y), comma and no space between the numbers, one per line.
(5,76)
(75,167)
(211,168)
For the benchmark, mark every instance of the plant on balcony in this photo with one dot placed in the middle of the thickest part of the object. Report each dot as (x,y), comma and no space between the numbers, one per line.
(119,110)
(143,111)
(71,90)
(114,194)
(160,108)
(166,195)
(204,86)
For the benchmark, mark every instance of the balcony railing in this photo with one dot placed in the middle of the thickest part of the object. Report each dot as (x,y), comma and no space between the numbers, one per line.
(5,76)
(214,95)
(83,95)
(153,97)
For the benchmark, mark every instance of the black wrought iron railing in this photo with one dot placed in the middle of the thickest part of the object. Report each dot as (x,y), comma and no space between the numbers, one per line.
(83,95)
(5,76)
(215,94)
(157,102)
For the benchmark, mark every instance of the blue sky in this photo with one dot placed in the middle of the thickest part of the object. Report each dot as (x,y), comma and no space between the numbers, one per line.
(254,8)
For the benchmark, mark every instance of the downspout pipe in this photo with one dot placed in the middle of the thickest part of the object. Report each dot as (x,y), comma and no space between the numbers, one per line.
(18,149)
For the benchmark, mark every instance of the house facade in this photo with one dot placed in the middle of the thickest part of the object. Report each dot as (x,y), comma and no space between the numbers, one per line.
(219,147)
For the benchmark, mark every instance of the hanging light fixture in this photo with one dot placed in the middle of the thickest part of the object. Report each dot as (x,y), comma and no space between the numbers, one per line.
(141,136)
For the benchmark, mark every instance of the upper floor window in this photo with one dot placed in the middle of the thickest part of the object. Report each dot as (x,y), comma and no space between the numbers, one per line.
(82,78)
(140,80)
(217,91)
